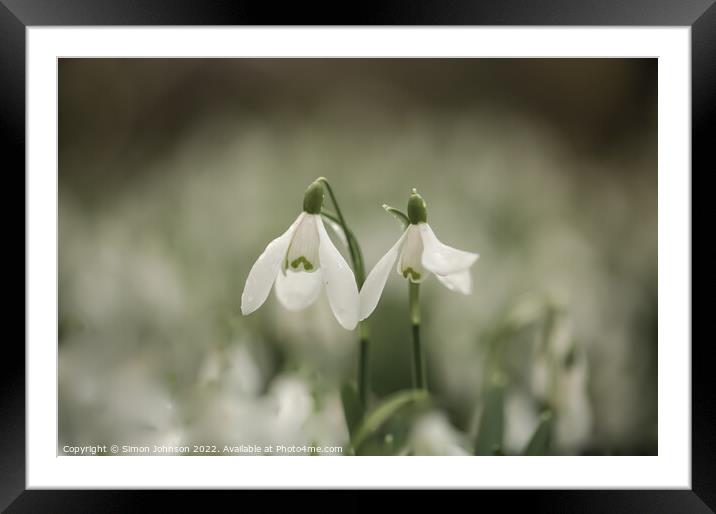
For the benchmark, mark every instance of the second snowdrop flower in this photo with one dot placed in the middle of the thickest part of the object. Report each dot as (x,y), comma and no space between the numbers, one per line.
(300,262)
(418,253)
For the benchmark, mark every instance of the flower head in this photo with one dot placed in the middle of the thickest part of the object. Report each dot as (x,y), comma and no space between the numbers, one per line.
(299,262)
(418,253)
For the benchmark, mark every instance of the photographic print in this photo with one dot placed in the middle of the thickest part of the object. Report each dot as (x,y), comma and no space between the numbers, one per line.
(350,257)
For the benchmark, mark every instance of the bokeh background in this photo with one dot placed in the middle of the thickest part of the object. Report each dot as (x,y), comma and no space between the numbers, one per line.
(174,175)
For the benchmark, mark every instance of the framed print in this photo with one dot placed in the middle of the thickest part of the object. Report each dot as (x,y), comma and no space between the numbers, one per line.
(454,254)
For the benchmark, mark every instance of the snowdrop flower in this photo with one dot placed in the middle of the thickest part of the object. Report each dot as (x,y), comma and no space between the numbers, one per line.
(300,262)
(418,252)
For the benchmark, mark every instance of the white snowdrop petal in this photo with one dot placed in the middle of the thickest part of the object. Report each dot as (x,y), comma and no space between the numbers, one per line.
(339,280)
(302,253)
(298,290)
(337,230)
(410,264)
(263,272)
(460,281)
(375,282)
(440,258)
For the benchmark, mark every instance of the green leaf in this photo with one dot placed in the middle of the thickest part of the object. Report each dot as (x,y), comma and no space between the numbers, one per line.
(489,435)
(352,409)
(385,410)
(399,215)
(539,443)
(395,433)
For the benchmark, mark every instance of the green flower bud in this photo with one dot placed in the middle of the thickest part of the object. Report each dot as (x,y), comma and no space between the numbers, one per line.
(313,198)
(417,210)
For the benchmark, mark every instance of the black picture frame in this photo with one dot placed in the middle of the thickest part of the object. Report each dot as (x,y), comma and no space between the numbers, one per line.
(17,15)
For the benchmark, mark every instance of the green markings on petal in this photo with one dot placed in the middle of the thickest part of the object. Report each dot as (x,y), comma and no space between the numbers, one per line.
(307,266)
(414,275)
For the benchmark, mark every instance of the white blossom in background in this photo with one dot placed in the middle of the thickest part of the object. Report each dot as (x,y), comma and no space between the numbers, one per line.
(433,434)
(124,405)
(574,414)
(521,418)
(560,376)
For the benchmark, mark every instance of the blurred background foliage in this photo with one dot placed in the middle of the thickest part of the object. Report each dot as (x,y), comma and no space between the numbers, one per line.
(174,175)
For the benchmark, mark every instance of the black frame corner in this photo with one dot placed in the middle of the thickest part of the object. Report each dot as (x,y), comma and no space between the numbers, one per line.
(17,15)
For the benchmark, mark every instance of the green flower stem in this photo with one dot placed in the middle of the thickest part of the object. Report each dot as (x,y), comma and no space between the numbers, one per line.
(351,239)
(363,365)
(419,372)
(359,270)
(353,248)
